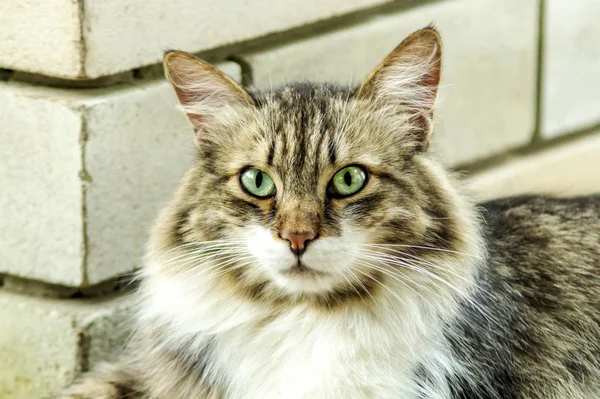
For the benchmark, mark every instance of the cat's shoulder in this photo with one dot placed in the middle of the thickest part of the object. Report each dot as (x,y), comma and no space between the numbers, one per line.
(504,215)
(543,230)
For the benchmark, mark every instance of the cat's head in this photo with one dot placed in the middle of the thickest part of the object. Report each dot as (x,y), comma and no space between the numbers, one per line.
(309,191)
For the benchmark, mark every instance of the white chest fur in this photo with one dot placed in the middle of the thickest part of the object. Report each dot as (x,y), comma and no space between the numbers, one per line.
(304,352)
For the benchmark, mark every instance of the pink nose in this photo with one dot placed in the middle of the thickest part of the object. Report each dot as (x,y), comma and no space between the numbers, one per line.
(298,241)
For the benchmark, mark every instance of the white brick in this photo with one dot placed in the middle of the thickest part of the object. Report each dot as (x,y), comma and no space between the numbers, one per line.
(563,170)
(138,148)
(84,173)
(570,99)
(40,199)
(46,342)
(88,39)
(41,36)
(487,102)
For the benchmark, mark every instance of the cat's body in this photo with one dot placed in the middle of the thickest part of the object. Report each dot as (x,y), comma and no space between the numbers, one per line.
(352,266)
(541,286)
(530,330)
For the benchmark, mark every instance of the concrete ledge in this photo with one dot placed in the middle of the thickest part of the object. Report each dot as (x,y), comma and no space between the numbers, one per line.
(45,343)
(85,39)
(571,168)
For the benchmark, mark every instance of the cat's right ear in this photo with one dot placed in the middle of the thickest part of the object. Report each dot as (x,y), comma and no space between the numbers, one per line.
(203,90)
(408,80)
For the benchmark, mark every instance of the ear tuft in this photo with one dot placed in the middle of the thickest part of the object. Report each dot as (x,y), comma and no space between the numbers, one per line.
(410,74)
(202,89)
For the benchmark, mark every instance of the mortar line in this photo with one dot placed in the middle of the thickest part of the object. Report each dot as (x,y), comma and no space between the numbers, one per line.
(530,149)
(539,84)
(246,72)
(84,179)
(81,40)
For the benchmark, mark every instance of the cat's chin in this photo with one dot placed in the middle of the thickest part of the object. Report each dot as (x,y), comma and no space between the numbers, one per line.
(301,270)
(300,279)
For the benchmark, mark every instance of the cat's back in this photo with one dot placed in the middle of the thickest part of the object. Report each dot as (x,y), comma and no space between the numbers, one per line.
(540,290)
(544,243)
(543,222)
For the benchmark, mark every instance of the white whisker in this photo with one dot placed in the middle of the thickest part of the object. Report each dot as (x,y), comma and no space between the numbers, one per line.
(384,286)
(397,277)
(422,247)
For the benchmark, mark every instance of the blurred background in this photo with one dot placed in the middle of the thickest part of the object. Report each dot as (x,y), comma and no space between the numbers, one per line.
(91,145)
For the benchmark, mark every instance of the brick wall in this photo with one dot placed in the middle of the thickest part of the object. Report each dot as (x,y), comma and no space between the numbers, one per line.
(89,133)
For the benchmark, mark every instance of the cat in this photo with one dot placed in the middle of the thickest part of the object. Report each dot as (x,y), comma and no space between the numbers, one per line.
(317,249)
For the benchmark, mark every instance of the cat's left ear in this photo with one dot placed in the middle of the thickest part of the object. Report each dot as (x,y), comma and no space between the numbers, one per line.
(408,79)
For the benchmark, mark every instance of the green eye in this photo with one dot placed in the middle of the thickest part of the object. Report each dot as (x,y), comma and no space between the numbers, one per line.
(348,181)
(257,183)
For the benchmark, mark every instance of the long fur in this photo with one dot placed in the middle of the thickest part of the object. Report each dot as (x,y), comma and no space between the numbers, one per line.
(415,293)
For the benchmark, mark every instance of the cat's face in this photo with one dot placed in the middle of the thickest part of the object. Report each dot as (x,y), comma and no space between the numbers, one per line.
(312,191)
(308,185)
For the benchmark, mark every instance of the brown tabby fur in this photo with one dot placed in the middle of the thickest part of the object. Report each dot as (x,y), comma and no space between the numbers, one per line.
(529,327)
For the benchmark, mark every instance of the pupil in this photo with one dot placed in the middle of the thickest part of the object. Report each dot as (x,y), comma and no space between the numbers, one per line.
(259,179)
(348,178)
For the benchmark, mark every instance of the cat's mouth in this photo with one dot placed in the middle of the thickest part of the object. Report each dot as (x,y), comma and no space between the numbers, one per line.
(300,269)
